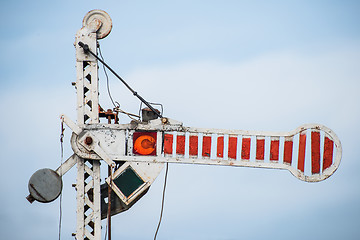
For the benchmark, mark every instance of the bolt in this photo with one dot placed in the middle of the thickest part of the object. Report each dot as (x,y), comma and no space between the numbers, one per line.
(164,120)
(73,83)
(88,140)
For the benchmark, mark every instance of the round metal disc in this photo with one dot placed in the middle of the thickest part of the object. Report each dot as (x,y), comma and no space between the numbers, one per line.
(45,185)
(103,17)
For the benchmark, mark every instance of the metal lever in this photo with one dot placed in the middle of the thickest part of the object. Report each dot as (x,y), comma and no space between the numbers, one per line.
(87,50)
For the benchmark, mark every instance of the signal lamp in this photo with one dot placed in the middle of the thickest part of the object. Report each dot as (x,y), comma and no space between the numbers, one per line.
(144,143)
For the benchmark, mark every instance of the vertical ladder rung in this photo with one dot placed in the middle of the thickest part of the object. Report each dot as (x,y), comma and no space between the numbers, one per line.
(260,148)
(168,143)
(315,152)
(328,153)
(220,147)
(288,149)
(274,149)
(302,148)
(180,144)
(245,148)
(206,150)
(232,147)
(193,145)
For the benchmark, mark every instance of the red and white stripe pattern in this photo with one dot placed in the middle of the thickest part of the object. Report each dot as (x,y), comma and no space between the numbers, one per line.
(311,152)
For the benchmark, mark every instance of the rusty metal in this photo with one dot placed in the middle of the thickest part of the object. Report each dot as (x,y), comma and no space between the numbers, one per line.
(109,115)
(88,140)
(30,198)
(164,120)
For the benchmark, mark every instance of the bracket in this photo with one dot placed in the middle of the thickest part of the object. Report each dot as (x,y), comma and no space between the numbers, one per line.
(92,143)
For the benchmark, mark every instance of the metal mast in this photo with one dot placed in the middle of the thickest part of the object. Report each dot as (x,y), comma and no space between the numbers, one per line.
(96,25)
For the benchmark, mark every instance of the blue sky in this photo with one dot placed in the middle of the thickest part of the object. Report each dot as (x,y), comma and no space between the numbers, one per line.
(219,64)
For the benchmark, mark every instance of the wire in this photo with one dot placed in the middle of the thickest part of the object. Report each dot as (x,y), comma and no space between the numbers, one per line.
(163,200)
(130,115)
(107,80)
(110,172)
(87,50)
(106,227)
(115,103)
(61,162)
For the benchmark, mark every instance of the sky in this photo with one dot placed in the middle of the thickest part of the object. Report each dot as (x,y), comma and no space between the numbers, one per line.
(250,65)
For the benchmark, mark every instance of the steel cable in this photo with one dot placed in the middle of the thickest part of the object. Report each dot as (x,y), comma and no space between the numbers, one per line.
(163,200)
(61,162)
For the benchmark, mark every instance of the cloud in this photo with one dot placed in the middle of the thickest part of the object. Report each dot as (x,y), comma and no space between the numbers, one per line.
(273,88)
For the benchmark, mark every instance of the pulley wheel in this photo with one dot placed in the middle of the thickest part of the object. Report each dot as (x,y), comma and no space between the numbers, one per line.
(103,17)
(45,185)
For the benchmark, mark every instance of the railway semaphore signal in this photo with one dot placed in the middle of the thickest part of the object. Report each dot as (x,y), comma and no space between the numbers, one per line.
(137,152)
